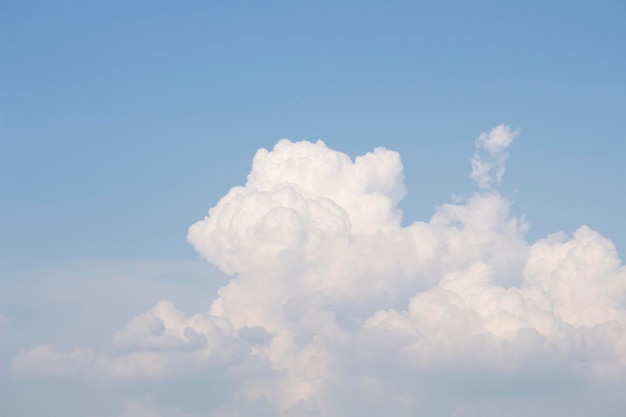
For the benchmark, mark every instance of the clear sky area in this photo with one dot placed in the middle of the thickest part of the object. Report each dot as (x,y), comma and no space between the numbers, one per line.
(441,234)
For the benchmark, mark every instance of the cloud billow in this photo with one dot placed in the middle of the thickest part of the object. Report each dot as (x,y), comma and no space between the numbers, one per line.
(336,309)
(488,162)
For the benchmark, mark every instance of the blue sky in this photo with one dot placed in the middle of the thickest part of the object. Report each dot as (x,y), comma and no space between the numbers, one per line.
(122,123)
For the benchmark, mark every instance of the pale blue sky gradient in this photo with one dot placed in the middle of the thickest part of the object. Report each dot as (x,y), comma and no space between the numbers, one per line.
(122,123)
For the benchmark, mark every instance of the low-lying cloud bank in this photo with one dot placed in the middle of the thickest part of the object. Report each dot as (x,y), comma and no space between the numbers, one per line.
(336,309)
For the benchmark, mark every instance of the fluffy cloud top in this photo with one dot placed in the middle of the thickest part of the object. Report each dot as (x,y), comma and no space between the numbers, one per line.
(336,309)
(488,163)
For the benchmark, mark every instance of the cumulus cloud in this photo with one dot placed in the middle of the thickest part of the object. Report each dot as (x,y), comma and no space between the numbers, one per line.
(488,162)
(335,308)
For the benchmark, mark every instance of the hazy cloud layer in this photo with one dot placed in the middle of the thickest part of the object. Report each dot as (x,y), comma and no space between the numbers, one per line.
(336,309)
(147,408)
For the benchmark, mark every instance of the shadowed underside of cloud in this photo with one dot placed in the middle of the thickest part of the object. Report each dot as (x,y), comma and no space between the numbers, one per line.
(336,309)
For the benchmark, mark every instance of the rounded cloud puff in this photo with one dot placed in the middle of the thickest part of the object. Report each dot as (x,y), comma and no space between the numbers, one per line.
(298,198)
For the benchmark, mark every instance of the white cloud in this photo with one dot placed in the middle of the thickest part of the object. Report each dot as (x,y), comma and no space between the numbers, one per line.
(488,162)
(335,308)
